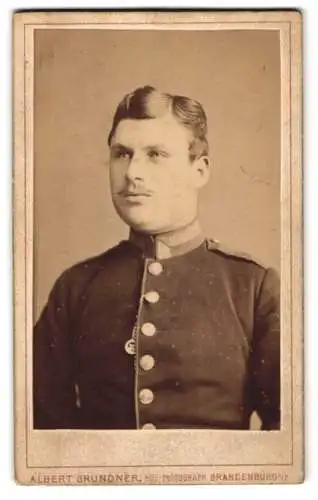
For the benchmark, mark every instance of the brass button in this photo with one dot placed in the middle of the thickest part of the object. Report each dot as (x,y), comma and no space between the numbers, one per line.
(152,297)
(148,427)
(155,268)
(148,329)
(147,362)
(146,396)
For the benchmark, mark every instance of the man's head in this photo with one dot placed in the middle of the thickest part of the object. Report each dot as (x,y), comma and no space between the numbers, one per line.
(158,159)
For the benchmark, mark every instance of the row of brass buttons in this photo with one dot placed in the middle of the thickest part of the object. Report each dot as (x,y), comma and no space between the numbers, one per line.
(147,362)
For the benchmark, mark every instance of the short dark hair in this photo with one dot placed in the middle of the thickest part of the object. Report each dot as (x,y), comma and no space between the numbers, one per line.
(148,102)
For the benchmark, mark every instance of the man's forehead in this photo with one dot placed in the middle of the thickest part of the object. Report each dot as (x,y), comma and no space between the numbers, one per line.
(164,130)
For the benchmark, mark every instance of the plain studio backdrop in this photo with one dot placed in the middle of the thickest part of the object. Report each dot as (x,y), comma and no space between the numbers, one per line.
(80,77)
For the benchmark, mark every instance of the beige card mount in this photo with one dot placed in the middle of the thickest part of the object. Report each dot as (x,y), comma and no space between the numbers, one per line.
(71,69)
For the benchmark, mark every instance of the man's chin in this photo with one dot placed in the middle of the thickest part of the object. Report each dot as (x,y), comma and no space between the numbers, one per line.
(142,227)
(140,224)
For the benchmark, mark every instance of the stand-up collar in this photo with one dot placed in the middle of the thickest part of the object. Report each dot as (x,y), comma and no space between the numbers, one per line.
(171,244)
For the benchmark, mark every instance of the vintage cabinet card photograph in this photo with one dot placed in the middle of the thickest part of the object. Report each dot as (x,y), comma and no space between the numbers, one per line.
(158,247)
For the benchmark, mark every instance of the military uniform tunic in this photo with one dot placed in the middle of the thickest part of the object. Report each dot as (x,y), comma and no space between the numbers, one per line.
(128,340)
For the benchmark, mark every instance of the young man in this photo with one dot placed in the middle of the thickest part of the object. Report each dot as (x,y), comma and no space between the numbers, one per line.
(165,330)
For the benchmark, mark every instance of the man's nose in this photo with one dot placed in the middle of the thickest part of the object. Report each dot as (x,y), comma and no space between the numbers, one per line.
(136,167)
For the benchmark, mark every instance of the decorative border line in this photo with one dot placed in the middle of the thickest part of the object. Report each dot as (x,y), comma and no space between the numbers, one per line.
(65,26)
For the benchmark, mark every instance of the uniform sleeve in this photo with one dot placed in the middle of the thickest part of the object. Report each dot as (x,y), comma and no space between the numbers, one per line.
(265,354)
(54,399)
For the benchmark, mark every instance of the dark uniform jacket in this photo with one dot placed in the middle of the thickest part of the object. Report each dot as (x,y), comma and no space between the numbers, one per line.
(128,341)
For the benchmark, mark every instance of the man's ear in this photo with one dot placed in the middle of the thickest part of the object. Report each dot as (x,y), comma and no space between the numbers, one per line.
(202,168)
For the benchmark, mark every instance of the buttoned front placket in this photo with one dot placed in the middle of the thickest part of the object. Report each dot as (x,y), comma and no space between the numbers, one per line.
(145,329)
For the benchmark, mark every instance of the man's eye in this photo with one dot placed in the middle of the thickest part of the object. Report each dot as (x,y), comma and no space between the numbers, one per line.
(154,154)
(124,155)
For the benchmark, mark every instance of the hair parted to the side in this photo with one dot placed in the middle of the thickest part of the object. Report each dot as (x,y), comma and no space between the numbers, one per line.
(148,102)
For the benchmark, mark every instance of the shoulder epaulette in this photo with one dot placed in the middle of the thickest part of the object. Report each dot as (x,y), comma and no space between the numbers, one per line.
(216,246)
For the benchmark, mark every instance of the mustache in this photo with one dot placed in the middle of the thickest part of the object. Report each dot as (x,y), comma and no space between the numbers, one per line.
(134,190)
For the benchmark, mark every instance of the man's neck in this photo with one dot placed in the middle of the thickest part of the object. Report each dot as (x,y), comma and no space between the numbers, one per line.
(169,244)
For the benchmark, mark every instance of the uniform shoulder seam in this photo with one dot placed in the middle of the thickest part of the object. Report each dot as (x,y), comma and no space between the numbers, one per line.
(214,245)
(96,260)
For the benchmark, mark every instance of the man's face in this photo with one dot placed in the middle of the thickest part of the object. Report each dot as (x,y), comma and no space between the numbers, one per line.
(154,184)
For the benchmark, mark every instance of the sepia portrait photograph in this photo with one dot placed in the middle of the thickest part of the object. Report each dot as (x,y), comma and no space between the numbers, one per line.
(158,303)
